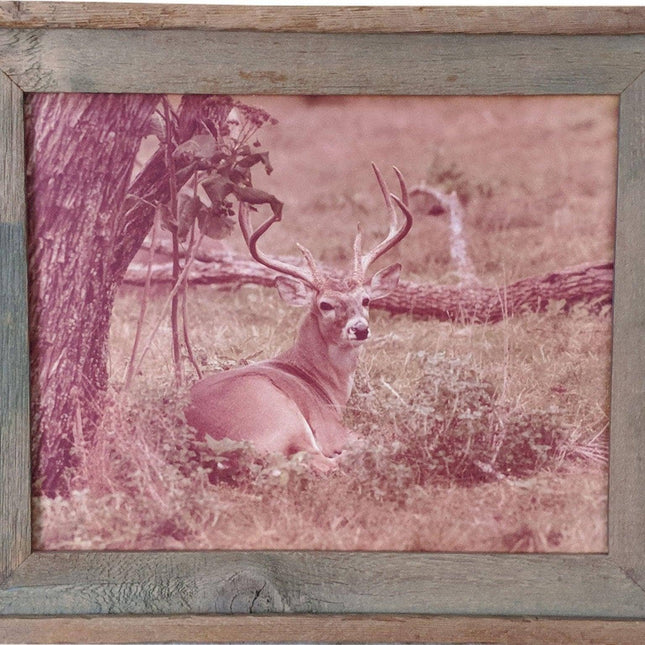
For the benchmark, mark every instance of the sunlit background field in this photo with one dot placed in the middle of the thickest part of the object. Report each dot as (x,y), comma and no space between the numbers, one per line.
(489,437)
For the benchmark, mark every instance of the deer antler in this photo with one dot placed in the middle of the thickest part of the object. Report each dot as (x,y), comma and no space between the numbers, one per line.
(395,234)
(314,278)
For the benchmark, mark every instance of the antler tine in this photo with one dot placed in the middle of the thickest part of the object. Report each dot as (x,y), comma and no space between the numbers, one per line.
(405,198)
(316,274)
(396,232)
(357,274)
(251,238)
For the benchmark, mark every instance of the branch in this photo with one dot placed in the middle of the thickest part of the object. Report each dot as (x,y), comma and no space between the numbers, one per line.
(588,285)
(450,203)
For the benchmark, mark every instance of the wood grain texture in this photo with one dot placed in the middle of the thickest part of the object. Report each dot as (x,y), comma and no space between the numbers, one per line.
(336,629)
(488,20)
(320,582)
(183,61)
(627,459)
(183,584)
(15,529)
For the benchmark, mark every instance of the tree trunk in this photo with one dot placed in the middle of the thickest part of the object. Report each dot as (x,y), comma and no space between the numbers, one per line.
(87,220)
(80,154)
(588,285)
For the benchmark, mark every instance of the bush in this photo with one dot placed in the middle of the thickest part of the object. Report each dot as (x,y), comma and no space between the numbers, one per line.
(450,429)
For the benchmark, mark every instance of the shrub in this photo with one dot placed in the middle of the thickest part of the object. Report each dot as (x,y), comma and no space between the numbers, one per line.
(450,429)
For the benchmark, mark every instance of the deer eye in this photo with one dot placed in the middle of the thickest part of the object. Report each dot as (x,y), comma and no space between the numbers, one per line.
(366,302)
(326,306)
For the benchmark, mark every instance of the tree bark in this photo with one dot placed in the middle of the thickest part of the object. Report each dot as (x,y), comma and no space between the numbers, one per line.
(87,220)
(588,285)
(80,155)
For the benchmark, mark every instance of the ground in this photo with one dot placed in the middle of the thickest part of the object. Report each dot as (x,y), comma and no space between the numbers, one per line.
(433,400)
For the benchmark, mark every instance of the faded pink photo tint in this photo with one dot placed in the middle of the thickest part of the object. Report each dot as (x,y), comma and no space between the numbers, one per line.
(321,322)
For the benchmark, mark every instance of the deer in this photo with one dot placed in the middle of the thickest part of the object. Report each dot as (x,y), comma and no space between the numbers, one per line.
(294,402)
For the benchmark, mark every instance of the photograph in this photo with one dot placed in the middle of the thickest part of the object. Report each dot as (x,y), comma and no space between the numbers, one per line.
(320,322)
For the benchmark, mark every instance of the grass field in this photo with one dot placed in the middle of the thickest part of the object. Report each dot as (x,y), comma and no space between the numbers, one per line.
(473,437)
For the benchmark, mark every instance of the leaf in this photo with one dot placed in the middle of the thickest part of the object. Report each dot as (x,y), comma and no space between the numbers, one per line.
(240,176)
(250,160)
(203,147)
(188,208)
(217,188)
(215,222)
(252,195)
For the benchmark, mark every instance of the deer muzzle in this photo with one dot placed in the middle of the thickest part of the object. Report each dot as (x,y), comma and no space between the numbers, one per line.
(358,329)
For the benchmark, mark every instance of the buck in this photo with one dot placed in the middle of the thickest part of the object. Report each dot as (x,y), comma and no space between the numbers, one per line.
(295,401)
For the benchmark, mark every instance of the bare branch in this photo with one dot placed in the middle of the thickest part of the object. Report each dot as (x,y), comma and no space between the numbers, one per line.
(465,268)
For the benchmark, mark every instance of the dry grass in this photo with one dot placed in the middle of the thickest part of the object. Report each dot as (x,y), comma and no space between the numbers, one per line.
(149,486)
(476,438)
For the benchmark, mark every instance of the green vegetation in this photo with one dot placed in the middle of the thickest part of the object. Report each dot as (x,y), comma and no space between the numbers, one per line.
(468,444)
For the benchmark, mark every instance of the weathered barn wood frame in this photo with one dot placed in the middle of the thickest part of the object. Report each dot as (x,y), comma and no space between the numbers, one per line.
(324,596)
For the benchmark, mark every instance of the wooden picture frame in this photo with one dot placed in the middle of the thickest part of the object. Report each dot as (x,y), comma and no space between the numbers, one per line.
(326,596)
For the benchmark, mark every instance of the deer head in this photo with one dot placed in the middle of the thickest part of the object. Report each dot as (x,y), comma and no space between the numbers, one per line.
(339,304)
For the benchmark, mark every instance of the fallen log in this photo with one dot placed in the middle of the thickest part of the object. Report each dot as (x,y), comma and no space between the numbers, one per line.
(588,286)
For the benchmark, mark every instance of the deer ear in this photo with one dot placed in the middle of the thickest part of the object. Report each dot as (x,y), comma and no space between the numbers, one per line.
(294,292)
(384,281)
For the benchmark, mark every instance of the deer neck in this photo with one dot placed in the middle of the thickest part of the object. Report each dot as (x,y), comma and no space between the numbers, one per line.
(331,366)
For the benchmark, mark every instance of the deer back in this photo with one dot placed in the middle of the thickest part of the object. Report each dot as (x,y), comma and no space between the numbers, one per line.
(273,405)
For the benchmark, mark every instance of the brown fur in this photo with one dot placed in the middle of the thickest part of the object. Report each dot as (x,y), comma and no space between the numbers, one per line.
(295,401)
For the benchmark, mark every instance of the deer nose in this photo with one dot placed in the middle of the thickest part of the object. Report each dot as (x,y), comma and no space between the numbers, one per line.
(360,330)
